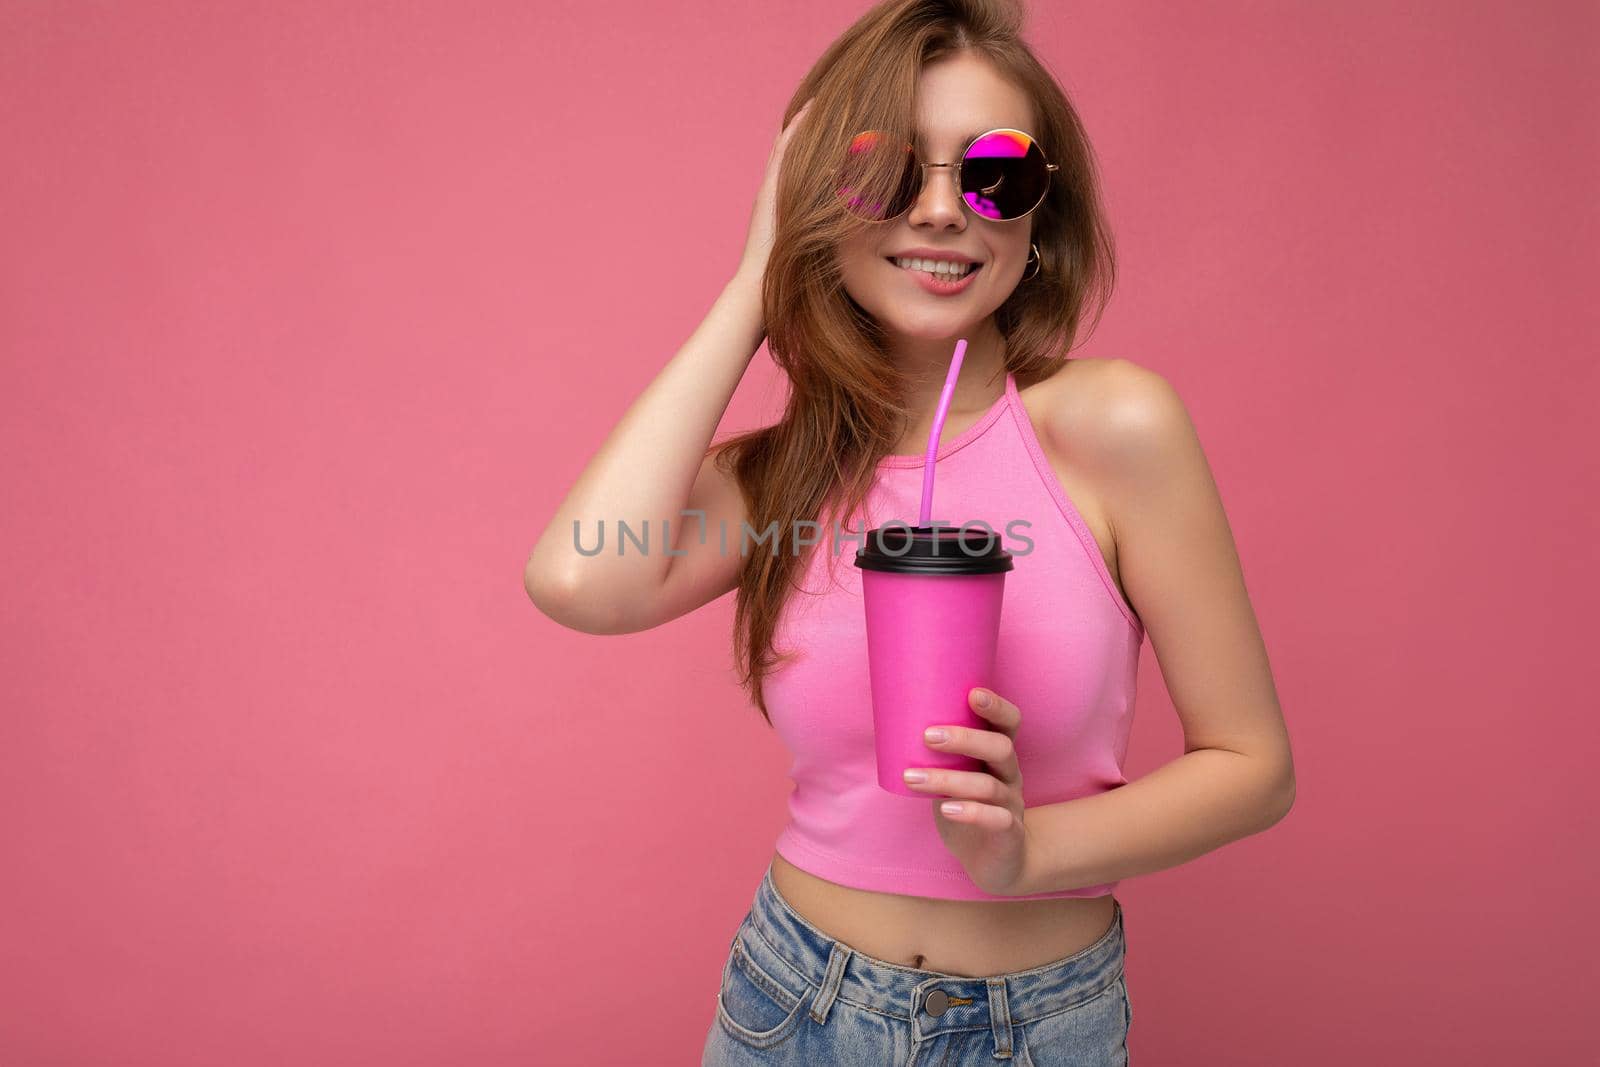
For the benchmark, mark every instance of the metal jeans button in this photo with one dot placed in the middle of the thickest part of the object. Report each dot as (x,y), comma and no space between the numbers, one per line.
(936,1003)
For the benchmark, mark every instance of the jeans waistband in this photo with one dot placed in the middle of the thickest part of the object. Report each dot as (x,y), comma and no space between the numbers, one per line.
(791,950)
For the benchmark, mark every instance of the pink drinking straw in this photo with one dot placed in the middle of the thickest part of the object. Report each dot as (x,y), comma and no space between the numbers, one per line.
(938,425)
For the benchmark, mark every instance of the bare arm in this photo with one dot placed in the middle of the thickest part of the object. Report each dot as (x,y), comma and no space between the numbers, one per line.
(653,467)
(1183,575)
(650,470)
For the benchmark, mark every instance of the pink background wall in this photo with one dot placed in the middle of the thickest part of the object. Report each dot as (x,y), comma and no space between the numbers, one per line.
(310,313)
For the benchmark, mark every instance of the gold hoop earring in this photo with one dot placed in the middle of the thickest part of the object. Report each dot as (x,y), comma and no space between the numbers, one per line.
(1033,254)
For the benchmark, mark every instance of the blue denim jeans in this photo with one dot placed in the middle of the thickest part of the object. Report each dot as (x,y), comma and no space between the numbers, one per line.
(791,994)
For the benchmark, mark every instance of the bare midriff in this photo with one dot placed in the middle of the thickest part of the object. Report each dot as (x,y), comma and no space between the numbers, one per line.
(965,938)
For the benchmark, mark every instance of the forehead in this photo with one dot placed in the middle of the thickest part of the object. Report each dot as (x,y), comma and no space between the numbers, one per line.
(965,137)
(963,95)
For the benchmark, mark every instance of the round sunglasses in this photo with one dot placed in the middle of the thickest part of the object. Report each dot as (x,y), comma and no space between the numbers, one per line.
(1003,175)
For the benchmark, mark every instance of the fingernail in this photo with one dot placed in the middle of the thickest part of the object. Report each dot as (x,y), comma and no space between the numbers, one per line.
(935,734)
(916,776)
(950,807)
(982,699)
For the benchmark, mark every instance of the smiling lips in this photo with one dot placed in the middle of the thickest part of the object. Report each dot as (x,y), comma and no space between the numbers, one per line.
(954,267)
(942,282)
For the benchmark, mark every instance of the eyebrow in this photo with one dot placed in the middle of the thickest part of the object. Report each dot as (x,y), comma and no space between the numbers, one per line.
(966,138)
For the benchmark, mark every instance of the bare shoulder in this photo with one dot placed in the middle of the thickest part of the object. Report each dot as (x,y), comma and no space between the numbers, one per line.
(1126,432)
(1093,418)
(1118,437)
(1110,416)
(1126,443)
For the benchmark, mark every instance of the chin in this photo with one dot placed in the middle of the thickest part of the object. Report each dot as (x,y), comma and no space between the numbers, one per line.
(931,328)
(902,317)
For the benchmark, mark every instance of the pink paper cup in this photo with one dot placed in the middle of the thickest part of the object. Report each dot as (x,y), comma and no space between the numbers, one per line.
(932,597)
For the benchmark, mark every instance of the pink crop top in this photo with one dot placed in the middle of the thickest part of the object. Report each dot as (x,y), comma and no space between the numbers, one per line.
(1068,657)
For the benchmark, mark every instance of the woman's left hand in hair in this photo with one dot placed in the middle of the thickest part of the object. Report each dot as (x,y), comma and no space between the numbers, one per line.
(987,834)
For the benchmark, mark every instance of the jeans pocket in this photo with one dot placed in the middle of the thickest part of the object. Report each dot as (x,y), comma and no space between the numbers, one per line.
(754,1007)
(1090,1033)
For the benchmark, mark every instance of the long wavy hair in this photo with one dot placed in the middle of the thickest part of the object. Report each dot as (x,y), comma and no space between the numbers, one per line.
(845,409)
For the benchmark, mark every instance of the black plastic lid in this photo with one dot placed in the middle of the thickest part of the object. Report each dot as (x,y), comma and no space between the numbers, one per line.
(901,549)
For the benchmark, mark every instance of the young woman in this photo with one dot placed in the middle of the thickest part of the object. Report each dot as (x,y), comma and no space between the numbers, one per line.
(885,929)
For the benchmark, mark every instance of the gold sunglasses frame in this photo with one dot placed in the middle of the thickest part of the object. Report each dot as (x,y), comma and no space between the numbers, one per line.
(922,172)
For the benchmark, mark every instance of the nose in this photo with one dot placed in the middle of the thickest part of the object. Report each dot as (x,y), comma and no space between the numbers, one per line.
(938,203)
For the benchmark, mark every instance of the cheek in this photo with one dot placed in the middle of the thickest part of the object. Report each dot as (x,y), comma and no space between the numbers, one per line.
(1012,263)
(858,269)
(855,257)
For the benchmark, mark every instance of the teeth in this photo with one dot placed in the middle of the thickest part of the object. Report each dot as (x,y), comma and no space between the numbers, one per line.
(936,266)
